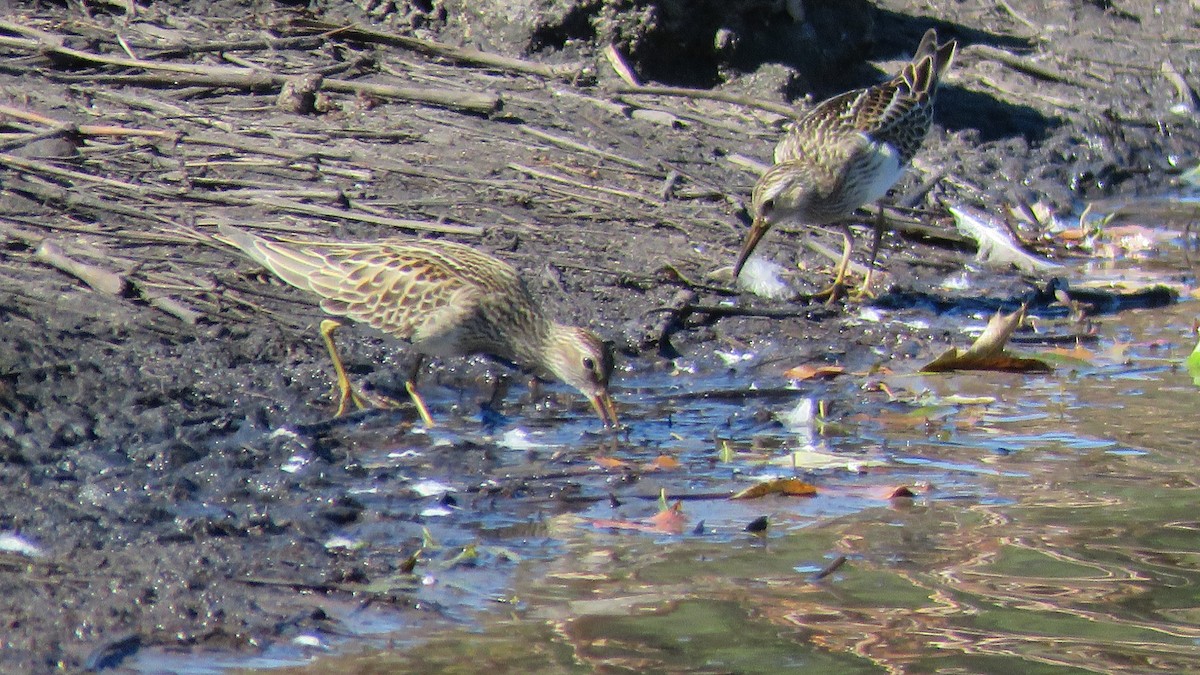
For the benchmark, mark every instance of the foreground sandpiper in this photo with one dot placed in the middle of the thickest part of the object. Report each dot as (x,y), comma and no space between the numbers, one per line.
(447,299)
(848,151)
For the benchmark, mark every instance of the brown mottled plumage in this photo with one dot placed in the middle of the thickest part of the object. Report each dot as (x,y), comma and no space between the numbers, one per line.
(447,299)
(848,151)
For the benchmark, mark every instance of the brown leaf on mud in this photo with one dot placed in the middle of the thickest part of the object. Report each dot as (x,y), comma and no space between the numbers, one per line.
(779,486)
(809,372)
(668,521)
(987,352)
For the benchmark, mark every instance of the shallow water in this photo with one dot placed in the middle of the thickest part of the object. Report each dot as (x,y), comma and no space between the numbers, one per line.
(1051,528)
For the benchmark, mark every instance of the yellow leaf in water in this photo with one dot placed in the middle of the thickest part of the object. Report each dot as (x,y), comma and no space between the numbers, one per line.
(662,463)
(793,487)
(610,463)
(808,372)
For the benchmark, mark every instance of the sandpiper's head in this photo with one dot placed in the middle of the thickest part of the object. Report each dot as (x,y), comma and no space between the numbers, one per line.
(578,357)
(786,190)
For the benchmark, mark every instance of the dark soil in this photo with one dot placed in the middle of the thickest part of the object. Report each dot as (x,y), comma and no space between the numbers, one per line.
(139,392)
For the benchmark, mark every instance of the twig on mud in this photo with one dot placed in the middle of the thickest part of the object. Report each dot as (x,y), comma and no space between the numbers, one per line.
(748,163)
(575,145)
(477,103)
(630,148)
(98,278)
(899,219)
(78,200)
(722,96)
(482,103)
(304,42)
(620,66)
(1184,91)
(84,129)
(161,109)
(236,142)
(126,234)
(1021,64)
(911,199)
(45,168)
(279,203)
(666,274)
(719,311)
(538,173)
(1037,30)
(460,54)
(181,75)
(659,332)
(1023,96)
(111,283)
(171,307)
(38,35)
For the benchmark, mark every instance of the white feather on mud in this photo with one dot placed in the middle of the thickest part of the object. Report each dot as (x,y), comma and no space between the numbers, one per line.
(763,278)
(996,245)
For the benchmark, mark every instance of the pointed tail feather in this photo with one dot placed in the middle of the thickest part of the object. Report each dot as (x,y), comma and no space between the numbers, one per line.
(927,47)
(930,63)
(295,266)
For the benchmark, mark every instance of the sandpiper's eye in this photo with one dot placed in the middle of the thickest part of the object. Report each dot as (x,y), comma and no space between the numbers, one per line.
(589,364)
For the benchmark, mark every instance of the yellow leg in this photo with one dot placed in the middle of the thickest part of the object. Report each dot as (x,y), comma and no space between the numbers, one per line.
(419,402)
(835,291)
(864,291)
(345,391)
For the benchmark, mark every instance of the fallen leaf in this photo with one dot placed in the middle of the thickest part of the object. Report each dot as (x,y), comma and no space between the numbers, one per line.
(987,352)
(1071,235)
(610,463)
(662,463)
(1078,352)
(670,520)
(793,487)
(809,372)
(667,521)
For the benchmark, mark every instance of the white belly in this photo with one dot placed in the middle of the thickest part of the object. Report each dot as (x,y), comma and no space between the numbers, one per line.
(884,170)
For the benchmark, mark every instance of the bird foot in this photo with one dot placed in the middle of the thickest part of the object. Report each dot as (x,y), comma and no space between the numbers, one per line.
(349,394)
(832,294)
(862,293)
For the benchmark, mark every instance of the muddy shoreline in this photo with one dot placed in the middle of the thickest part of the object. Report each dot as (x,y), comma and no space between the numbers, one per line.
(165,442)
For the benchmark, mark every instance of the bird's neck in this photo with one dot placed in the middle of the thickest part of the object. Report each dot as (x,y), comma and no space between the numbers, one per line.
(530,348)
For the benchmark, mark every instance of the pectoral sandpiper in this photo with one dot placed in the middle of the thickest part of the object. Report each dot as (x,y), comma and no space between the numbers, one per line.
(447,299)
(848,151)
